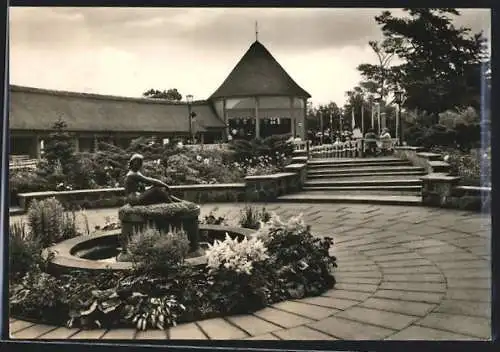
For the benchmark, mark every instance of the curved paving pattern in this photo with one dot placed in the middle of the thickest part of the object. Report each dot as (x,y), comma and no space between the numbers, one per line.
(405,273)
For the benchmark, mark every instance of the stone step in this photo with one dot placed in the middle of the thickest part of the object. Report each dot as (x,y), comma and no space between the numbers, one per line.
(334,197)
(389,176)
(358,183)
(13,211)
(439,166)
(352,160)
(366,175)
(430,156)
(363,169)
(416,190)
(361,163)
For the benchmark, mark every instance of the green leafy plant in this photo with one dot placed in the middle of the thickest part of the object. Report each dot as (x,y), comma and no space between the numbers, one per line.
(25,252)
(46,221)
(301,260)
(37,296)
(251,218)
(282,260)
(154,312)
(152,250)
(213,219)
(101,310)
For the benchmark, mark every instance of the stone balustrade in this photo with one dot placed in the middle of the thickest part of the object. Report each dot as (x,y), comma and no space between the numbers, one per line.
(431,162)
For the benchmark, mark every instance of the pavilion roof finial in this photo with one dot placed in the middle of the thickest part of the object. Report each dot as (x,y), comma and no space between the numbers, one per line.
(256,31)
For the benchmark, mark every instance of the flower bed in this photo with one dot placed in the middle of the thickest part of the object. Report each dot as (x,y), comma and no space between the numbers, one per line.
(473,168)
(281,260)
(172,163)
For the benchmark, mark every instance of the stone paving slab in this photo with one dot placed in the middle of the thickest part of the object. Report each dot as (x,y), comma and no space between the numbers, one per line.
(410,296)
(220,329)
(302,333)
(186,332)
(253,325)
(473,326)
(473,309)
(422,333)
(399,306)
(281,318)
(347,329)
(473,295)
(377,317)
(405,273)
(311,309)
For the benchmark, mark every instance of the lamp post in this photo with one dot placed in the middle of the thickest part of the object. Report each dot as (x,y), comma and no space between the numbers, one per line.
(321,127)
(331,127)
(398,98)
(189,100)
(377,106)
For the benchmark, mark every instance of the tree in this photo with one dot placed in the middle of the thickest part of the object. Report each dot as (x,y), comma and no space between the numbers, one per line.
(323,111)
(379,77)
(441,62)
(170,95)
(60,148)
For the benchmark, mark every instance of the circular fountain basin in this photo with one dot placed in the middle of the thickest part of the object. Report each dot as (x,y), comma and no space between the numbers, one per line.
(98,251)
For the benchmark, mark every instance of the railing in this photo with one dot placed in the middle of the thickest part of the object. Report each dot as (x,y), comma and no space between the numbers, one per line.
(17,162)
(349,149)
(214,146)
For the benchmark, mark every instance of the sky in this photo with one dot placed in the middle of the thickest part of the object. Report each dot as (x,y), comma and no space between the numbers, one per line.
(126,51)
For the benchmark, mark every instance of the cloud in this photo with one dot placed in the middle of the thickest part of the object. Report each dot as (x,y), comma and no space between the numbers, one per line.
(125,51)
(206,28)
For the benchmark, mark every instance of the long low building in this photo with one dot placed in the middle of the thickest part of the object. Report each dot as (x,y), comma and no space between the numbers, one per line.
(257,99)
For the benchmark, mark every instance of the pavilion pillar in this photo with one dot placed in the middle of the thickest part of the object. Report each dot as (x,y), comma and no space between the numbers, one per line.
(36,147)
(293,120)
(96,143)
(224,112)
(303,120)
(76,142)
(257,119)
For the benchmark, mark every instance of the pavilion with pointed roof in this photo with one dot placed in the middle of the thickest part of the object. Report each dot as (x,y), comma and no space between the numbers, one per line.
(257,99)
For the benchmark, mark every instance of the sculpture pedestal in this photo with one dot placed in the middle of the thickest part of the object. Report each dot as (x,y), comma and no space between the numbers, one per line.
(165,216)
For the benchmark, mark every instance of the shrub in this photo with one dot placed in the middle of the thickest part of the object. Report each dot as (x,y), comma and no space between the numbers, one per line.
(282,260)
(473,167)
(25,253)
(155,312)
(234,255)
(438,135)
(251,218)
(24,181)
(212,219)
(154,251)
(301,260)
(38,296)
(46,221)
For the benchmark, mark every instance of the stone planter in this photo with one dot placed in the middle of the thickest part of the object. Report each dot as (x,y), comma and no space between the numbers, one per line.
(164,217)
(437,189)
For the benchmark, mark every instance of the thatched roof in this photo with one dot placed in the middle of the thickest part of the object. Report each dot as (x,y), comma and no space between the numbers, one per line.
(259,74)
(38,109)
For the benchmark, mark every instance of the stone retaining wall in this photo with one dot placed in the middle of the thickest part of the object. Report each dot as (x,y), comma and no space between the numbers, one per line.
(439,189)
(431,162)
(255,188)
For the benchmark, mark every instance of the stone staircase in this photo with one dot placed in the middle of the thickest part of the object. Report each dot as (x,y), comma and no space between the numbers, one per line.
(382,180)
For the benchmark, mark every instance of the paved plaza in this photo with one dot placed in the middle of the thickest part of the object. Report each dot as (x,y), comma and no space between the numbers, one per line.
(404,273)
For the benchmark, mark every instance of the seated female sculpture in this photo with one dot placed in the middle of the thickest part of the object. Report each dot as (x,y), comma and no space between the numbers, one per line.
(135,181)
